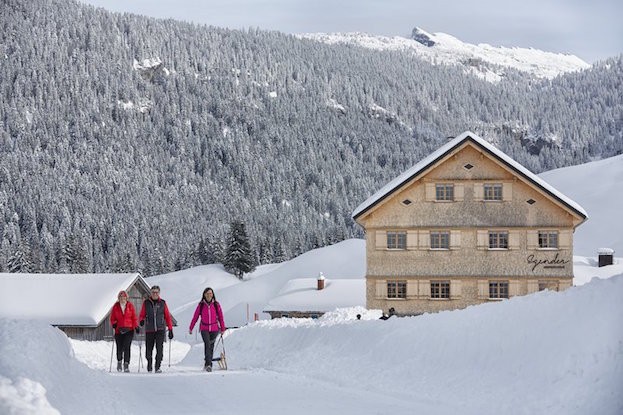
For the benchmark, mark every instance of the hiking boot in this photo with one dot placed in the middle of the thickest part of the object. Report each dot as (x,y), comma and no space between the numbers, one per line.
(158,370)
(149,365)
(119,366)
(208,368)
(126,367)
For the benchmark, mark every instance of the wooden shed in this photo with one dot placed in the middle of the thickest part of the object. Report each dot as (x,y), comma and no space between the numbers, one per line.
(78,304)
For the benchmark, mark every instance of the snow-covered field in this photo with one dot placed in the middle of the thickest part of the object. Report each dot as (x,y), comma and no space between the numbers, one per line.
(550,352)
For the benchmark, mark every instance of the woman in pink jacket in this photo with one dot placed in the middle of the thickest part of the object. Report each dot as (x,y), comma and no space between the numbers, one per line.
(211,324)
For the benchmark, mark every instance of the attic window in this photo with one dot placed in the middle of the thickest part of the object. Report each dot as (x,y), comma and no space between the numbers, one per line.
(531,201)
(468,166)
(406,202)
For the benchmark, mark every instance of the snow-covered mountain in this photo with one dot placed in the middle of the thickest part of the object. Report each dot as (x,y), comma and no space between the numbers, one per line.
(483,60)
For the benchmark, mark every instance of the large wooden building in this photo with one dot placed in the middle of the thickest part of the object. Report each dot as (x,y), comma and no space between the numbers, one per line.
(464,226)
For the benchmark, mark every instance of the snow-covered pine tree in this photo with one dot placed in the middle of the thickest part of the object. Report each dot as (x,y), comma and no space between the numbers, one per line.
(239,257)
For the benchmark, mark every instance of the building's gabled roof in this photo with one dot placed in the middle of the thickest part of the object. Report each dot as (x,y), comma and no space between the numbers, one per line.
(63,299)
(302,295)
(448,148)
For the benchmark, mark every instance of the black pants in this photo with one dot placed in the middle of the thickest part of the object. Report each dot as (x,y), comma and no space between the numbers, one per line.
(151,338)
(124,343)
(209,338)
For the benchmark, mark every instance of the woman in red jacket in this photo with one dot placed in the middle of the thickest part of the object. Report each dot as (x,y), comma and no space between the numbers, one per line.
(211,323)
(124,322)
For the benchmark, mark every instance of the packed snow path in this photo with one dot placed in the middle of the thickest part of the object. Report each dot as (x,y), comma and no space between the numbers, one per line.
(189,390)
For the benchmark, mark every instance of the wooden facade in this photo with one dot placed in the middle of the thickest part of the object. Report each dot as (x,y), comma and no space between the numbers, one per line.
(103,331)
(465,226)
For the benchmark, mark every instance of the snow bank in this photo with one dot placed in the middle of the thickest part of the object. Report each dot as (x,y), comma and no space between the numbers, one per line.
(38,374)
(556,353)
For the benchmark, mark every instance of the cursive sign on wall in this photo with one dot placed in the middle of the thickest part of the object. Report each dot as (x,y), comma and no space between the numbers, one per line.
(555,262)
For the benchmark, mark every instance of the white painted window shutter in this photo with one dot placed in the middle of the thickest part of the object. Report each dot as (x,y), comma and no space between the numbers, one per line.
(455,239)
(381,240)
(424,237)
(507,192)
(412,239)
(513,239)
(431,194)
(412,288)
(483,289)
(455,288)
(533,239)
(483,239)
(381,289)
(479,191)
(459,192)
(565,239)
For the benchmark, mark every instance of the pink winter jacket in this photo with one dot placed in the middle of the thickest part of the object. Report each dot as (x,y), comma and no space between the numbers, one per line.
(211,317)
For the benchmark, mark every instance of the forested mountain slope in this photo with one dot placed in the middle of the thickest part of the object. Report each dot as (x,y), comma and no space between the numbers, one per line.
(130,143)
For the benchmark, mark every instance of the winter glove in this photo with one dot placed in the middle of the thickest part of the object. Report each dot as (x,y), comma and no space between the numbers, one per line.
(142,323)
(170,334)
(137,330)
(114,326)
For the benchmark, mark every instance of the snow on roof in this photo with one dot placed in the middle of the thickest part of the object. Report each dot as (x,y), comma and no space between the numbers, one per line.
(427,162)
(61,299)
(302,295)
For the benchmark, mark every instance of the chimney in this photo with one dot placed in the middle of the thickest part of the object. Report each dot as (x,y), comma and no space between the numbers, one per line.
(320,281)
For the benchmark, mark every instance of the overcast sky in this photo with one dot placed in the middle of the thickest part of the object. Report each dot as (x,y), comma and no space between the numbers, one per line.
(589,29)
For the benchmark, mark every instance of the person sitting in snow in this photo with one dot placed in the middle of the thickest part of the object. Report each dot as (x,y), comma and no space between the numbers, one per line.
(156,318)
(124,323)
(211,323)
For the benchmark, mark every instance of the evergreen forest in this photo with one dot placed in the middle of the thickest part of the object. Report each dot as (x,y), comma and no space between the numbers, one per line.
(130,143)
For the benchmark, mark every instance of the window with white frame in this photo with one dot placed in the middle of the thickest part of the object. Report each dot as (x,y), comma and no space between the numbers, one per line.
(493,191)
(396,240)
(498,239)
(440,240)
(548,239)
(396,289)
(444,191)
(498,289)
(440,289)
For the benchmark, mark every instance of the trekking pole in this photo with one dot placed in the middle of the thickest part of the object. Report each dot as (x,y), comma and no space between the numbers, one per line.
(169,352)
(112,350)
(140,354)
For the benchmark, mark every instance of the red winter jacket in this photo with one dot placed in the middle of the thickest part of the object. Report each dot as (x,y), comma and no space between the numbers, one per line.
(127,320)
(211,317)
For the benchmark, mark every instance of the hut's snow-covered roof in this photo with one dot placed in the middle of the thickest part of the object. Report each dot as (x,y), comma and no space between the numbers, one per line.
(61,299)
(302,295)
(446,149)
